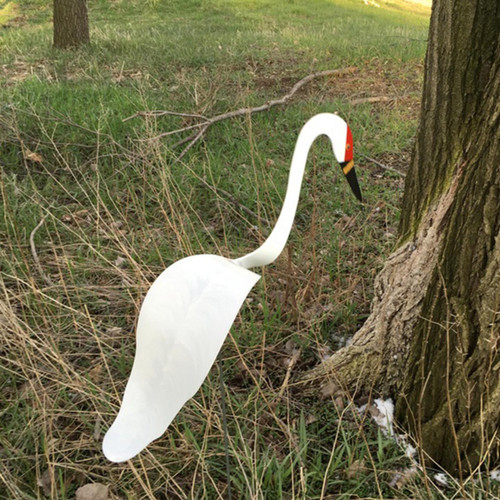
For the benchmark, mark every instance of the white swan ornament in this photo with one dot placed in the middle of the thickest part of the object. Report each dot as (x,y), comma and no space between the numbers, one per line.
(191,306)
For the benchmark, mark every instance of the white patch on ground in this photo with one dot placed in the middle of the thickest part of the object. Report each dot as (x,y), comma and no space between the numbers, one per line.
(410,451)
(382,412)
(386,415)
(441,479)
(361,409)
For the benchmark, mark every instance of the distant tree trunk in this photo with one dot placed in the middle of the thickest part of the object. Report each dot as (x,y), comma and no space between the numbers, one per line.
(71,24)
(433,339)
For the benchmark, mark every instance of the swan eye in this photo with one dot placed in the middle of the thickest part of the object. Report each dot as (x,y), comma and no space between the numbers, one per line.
(348,147)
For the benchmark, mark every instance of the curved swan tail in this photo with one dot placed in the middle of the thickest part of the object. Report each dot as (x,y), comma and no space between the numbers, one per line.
(183,322)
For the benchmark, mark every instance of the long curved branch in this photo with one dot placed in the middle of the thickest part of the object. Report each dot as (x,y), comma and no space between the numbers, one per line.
(204,123)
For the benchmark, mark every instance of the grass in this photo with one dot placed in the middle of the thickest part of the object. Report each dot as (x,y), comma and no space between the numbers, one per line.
(8,11)
(94,208)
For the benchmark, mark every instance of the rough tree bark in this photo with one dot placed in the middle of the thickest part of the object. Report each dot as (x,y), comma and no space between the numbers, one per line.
(432,341)
(71,24)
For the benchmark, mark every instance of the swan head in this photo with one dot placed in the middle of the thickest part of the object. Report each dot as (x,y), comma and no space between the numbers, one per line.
(346,160)
(340,135)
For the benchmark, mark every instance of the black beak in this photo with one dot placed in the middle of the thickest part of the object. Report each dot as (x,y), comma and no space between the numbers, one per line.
(350,173)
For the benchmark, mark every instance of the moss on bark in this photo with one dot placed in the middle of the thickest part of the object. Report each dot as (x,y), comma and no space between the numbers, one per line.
(450,394)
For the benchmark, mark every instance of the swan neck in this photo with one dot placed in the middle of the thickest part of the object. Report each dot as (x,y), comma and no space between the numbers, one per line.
(327,124)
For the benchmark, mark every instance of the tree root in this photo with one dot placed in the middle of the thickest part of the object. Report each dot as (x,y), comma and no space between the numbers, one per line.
(376,358)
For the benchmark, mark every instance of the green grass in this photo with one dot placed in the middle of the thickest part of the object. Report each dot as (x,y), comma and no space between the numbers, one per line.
(8,11)
(117,209)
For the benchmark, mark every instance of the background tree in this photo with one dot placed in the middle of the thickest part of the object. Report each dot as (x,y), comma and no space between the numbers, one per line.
(433,338)
(71,24)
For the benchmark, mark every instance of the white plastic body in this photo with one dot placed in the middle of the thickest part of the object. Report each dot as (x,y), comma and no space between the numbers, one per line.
(184,319)
(189,310)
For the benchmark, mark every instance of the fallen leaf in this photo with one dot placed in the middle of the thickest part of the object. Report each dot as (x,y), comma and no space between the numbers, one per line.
(92,491)
(45,482)
(328,390)
(290,346)
(310,419)
(114,330)
(401,478)
(441,479)
(95,373)
(355,469)
(345,222)
(120,262)
(32,156)
(339,403)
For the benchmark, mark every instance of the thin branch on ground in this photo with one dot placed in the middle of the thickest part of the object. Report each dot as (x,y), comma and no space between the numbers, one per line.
(237,204)
(205,122)
(34,253)
(163,113)
(195,139)
(371,100)
(293,360)
(385,167)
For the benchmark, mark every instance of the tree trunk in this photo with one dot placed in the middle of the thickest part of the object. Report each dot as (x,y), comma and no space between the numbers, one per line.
(450,398)
(433,339)
(71,24)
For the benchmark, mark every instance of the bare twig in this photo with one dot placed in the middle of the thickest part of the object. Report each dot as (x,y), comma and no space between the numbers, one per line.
(385,167)
(205,122)
(196,138)
(231,199)
(291,364)
(34,253)
(362,100)
(163,113)
(239,205)
(283,100)
(180,130)
(183,141)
